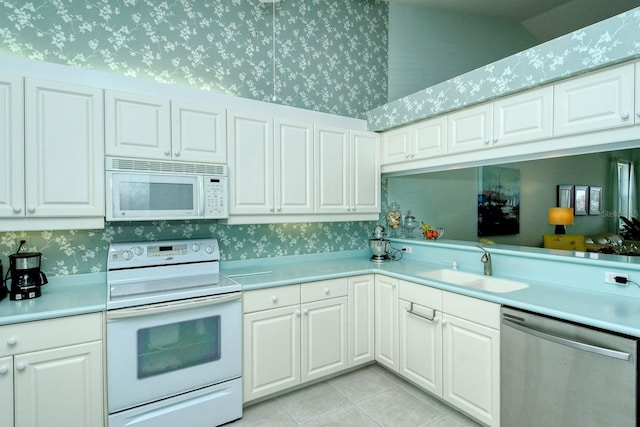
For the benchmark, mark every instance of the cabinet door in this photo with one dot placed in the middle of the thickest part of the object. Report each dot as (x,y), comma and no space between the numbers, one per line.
(64,150)
(198,132)
(293,165)
(324,338)
(420,341)
(470,129)
(332,170)
(386,322)
(365,172)
(271,351)
(596,101)
(11,146)
(6,390)
(361,337)
(250,143)
(396,145)
(471,368)
(429,138)
(524,117)
(137,126)
(60,387)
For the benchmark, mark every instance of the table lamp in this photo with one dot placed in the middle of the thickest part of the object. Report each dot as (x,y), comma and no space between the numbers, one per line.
(560,217)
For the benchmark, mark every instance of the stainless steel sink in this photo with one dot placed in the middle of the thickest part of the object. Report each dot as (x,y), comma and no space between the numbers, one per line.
(476,281)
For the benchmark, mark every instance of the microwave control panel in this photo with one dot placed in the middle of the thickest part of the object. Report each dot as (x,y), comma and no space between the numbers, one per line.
(216,197)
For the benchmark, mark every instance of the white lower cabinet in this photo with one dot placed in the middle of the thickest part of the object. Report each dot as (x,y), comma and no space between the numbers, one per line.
(294,334)
(449,345)
(471,356)
(386,321)
(361,319)
(51,372)
(420,335)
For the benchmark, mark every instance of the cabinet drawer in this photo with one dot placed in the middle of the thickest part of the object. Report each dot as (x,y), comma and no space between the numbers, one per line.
(316,291)
(44,334)
(264,299)
(420,294)
(475,310)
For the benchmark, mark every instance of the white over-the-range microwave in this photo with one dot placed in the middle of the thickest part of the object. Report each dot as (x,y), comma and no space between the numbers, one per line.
(150,190)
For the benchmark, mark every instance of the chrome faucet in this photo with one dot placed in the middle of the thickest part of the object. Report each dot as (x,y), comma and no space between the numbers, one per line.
(486,260)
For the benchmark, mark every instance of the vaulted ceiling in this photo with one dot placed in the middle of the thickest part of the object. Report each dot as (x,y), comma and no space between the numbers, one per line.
(545,19)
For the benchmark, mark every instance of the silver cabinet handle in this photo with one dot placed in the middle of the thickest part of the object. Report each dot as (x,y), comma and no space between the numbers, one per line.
(431,318)
(602,351)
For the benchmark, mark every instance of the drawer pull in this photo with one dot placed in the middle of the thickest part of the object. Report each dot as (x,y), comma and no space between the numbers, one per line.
(21,367)
(298,313)
(3,370)
(430,317)
(274,299)
(326,291)
(12,341)
(306,312)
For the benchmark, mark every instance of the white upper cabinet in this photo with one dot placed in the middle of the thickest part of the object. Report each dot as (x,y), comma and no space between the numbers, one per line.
(271,164)
(293,167)
(158,128)
(64,150)
(137,126)
(198,132)
(11,146)
(637,92)
(597,101)
(365,172)
(347,171)
(250,163)
(523,117)
(422,140)
(470,129)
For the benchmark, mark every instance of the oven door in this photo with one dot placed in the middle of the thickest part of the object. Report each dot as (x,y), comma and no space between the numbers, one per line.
(161,350)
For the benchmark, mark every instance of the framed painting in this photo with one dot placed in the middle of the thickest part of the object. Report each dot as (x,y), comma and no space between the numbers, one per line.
(580,199)
(498,201)
(595,200)
(565,196)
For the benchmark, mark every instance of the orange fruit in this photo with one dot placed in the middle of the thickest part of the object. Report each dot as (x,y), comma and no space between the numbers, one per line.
(429,234)
(435,234)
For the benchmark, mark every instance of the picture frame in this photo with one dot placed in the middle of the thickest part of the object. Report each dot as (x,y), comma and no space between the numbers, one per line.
(580,199)
(595,200)
(565,196)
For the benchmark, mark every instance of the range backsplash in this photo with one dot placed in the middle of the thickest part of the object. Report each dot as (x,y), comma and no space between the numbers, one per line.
(85,251)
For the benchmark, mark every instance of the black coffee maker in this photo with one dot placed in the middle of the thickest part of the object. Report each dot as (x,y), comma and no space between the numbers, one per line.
(26,277)
(3,288)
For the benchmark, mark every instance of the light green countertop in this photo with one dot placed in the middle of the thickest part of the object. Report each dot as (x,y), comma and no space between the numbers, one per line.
(607,311)
(62,296)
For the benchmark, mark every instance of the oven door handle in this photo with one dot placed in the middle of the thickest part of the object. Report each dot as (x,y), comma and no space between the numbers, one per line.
(172,306)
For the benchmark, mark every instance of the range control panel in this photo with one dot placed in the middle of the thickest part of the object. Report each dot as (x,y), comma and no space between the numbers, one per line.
(144,254)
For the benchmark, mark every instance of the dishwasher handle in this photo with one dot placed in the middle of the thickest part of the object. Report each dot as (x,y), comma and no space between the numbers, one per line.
(602,351)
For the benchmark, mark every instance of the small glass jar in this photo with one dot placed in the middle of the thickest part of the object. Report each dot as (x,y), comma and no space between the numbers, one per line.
(394,218)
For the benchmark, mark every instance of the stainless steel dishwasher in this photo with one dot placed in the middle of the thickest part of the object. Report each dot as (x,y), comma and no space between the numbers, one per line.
(555,373)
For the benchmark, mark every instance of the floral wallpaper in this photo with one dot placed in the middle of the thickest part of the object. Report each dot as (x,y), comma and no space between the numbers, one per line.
(85,251)
(605,43)
(330,55)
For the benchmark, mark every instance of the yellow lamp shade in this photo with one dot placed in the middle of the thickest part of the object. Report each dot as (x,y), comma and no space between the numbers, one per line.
(560,217)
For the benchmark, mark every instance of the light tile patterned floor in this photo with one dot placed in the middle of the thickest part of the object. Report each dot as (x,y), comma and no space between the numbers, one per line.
(371,396)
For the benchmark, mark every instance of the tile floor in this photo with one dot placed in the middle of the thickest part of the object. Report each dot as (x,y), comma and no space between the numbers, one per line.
(370,396)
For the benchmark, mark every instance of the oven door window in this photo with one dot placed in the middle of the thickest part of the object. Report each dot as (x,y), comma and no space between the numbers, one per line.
(175,346)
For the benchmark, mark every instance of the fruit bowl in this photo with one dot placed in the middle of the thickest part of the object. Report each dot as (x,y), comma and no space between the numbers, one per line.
(433,233)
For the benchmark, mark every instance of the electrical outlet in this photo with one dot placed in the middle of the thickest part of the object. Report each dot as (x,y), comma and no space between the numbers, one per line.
(610,277)
(406,249)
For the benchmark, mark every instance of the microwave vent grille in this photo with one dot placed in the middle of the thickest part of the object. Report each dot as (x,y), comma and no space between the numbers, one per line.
(142,165)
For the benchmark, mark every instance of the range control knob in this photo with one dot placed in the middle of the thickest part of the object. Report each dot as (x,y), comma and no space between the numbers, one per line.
(195,247)
(127,255)
(209,249)
(138,250)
